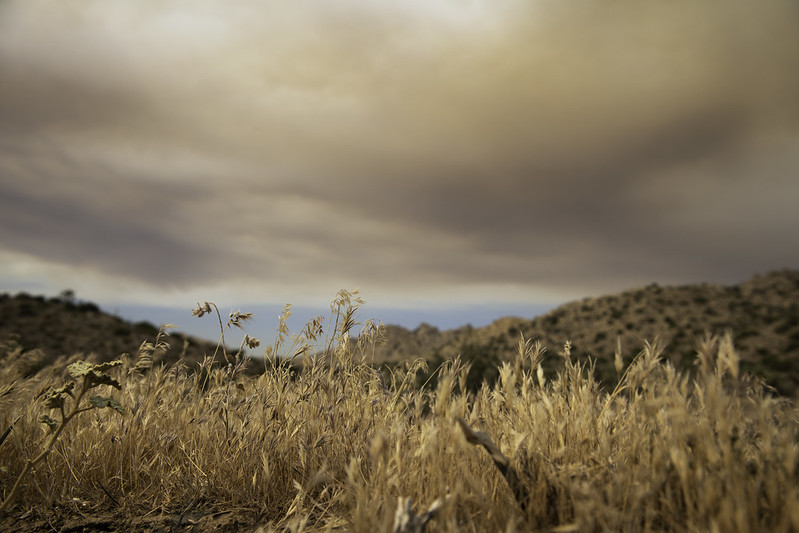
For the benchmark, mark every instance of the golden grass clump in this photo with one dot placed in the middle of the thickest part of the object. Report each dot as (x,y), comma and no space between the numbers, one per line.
(324,440)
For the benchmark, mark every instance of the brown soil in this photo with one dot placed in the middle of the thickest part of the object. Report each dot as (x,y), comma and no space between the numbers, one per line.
(194,521)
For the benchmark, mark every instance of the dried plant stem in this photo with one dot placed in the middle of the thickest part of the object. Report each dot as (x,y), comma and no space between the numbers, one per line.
(30,464)
(92,376)
(500,461)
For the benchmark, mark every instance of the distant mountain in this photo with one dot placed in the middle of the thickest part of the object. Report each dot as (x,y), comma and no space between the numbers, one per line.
(762,313)
(51,330)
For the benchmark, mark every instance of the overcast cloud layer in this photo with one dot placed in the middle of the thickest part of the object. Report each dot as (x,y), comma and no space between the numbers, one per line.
(432,153)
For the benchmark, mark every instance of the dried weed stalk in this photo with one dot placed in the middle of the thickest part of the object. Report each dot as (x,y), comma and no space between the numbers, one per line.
(90,376)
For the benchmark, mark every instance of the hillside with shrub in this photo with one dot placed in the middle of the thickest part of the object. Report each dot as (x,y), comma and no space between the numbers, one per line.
(762,313)
(46,331)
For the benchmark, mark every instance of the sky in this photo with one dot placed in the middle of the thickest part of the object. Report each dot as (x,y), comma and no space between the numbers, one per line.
(455,160)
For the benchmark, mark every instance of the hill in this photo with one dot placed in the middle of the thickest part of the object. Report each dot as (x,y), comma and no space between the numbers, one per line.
(46,331)
(762,314)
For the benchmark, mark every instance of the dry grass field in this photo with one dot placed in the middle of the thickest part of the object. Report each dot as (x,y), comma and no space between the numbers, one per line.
(337,444)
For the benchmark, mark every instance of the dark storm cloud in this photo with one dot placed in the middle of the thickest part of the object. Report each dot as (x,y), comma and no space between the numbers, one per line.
(97,221)
(410,148)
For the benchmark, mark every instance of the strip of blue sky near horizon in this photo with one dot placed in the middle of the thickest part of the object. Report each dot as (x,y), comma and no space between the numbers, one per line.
(265,319)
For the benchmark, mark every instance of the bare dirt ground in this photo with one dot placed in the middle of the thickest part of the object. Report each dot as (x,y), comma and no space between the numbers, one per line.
(195,521)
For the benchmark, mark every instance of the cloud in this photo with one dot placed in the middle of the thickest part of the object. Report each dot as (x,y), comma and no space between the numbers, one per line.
(415,148)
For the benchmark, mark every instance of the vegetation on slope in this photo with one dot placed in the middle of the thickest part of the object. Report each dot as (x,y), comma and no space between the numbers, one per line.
(762,314)
(38,332)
